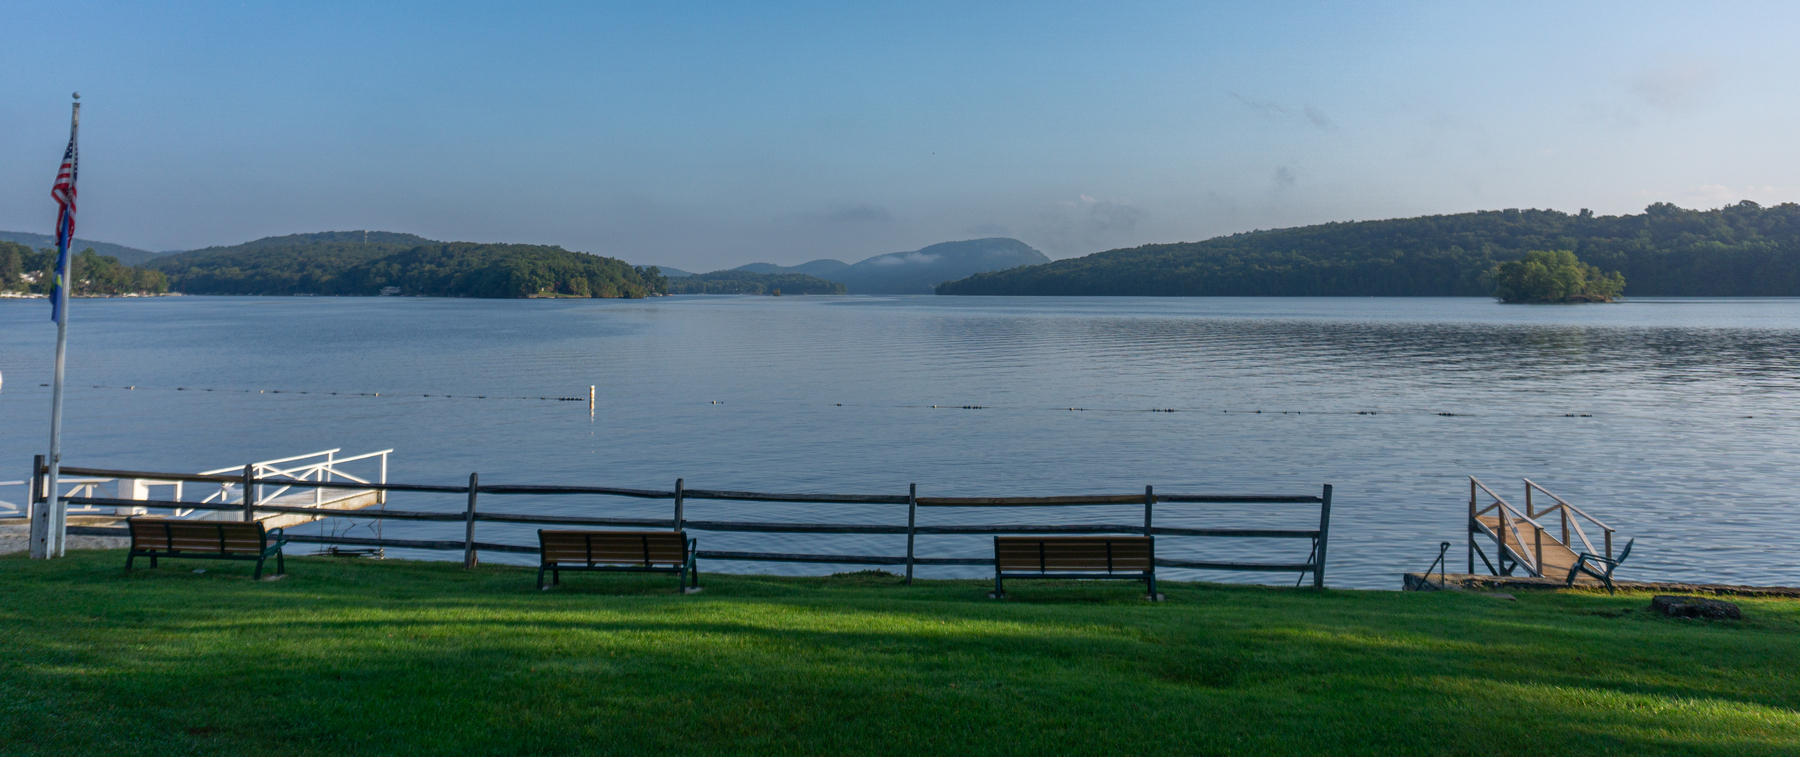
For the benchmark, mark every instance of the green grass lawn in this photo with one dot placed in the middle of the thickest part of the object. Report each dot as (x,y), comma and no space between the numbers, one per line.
(364,657)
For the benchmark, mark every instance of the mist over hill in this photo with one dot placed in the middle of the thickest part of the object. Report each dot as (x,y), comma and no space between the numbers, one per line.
(919,271)
(751,282)
(1738,250)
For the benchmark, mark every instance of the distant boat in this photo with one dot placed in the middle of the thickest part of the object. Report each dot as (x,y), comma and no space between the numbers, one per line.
(390,291)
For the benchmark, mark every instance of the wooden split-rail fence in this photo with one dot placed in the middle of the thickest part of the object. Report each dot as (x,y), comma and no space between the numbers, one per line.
(679,495)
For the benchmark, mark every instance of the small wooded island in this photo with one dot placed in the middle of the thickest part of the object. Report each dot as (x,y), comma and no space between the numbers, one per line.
(1554,276)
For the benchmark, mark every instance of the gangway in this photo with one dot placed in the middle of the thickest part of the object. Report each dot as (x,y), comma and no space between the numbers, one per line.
(1522,541)
(322,466)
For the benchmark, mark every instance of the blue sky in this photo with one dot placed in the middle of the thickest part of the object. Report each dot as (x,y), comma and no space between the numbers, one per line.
(710,135)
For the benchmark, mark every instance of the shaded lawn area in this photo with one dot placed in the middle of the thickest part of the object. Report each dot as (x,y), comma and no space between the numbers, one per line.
(366,657)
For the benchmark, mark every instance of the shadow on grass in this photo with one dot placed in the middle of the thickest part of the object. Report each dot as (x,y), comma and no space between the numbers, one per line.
(345,658)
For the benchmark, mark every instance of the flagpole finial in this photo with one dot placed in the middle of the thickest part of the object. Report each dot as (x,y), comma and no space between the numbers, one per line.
(77,95)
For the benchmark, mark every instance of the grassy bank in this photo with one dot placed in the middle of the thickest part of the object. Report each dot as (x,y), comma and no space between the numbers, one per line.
(425,659)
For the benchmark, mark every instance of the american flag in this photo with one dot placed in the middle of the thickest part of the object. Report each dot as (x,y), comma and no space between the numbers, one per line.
(64,193)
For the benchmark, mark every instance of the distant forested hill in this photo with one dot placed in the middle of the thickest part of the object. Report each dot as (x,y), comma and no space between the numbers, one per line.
(1740,250)
(127,255)
(747,282)
(340,263)
(917,272)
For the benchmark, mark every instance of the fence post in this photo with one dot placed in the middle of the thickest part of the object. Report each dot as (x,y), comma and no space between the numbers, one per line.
(249,493)
(39,512)
(1324,537)
(1470,526)
(1149,499)
(912,524)
(469,558)
(680,496)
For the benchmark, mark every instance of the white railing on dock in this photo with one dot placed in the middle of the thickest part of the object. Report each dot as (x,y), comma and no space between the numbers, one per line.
(317,467)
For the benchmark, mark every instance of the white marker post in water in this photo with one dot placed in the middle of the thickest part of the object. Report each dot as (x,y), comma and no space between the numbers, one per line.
(49,519)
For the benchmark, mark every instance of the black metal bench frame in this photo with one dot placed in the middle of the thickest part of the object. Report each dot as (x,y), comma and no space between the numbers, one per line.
(1604,576)
(1148,576)
(689,570)
(279,536)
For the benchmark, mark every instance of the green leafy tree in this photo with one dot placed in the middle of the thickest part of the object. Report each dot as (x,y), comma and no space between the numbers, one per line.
(12,266)
(1554,276)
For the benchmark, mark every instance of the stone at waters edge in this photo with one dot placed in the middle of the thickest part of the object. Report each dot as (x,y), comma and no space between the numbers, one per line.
(1695,607)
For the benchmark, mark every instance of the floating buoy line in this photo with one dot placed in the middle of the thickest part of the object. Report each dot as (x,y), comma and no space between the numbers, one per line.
(591,399)
(339,394)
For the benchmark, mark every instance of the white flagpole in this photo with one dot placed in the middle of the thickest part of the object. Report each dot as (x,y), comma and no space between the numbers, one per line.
(52,545)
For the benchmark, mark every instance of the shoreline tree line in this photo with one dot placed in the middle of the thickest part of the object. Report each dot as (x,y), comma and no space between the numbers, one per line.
(364,263)
(24,270)
(1738,250)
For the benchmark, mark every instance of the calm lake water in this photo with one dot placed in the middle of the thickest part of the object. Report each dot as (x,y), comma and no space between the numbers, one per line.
(1683,432)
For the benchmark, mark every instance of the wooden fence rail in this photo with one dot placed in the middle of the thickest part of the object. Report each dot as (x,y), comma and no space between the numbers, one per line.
(471,515)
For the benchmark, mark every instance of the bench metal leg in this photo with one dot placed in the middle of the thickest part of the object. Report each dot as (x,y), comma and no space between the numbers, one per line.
(129,556)
(280,564)
(153,561)
(540,583)
(556,576)
(1154,597)
(999,587)
(259,564)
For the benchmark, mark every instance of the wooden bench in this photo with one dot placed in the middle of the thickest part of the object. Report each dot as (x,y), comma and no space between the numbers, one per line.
(623,551)
(205,540)
(1131,558)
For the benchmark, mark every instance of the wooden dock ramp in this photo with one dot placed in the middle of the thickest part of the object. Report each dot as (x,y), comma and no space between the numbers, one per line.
(1542,542)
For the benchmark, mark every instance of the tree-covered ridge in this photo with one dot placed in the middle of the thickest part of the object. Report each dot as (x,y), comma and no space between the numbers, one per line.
(127,255)
(1739,250)
(27,271)
(748,282)
(1554,276)
(339,263)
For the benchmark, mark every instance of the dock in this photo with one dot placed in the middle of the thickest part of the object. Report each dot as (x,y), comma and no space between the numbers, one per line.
(1542,542)
(358,480)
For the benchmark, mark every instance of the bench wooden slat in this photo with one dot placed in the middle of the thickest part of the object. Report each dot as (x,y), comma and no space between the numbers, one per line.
(218,537)
(1074,554)
(648,551)
(204,539)
(1121,557)
(613,547)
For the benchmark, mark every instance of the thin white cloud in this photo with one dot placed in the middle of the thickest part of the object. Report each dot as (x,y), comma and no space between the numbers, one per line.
(1678,86)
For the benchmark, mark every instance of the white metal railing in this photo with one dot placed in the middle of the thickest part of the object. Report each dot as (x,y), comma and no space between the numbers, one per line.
(77,487)
(322,466)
